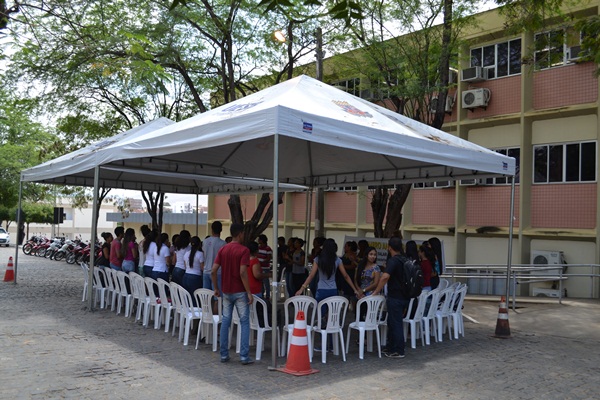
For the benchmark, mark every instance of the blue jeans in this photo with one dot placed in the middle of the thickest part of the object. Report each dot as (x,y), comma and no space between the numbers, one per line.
(115,267)
(240,301)
(191,283)
(177,275)
(128,266)
(396,309)
(207,281)
(148,270)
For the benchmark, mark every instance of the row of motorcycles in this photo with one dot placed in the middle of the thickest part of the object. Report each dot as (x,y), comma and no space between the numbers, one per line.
(58,249)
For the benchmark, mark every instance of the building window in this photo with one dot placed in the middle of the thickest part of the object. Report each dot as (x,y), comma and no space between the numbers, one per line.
(501,59)
(351,86)
(342,189)
(553,48)
(571,162)
(514,152)
(441,184)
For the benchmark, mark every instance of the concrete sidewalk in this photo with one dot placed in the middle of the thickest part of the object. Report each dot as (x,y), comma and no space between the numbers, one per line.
(52,348)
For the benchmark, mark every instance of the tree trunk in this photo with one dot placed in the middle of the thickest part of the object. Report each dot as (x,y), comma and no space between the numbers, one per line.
(254,226)
(154,205)
(389,209)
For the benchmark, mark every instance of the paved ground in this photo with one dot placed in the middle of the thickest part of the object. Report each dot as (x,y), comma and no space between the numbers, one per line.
(52,348)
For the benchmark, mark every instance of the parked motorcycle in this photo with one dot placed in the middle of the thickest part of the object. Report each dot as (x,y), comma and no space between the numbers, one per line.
(61,253)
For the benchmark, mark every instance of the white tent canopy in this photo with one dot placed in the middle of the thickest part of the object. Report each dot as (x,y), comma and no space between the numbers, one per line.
(326,138)
(302,132)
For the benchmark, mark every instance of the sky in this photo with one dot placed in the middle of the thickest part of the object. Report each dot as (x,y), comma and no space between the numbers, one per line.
(170,197)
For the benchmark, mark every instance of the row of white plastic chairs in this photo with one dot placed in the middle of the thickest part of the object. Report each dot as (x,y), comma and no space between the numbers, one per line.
(434,312)
(118,289)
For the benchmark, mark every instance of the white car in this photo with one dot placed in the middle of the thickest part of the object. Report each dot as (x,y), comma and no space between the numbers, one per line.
(4,237)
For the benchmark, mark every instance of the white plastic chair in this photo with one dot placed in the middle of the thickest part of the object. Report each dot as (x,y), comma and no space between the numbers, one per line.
(177,305)
(429,323)
(418,304)
(125,295)
(370,324)
(443,284)
(113,287)
(204,299)
(260,330)
(165,302)
(457,315)
(187,314)
(138,294)
(152,302)
(335,309)
(86,278)
(306,304)
(442,315)
(101,289)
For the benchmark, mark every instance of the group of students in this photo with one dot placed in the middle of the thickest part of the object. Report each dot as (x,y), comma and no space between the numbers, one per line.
(358,261)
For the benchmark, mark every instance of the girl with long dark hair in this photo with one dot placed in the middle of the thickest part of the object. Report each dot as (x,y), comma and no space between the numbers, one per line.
(162,258)
(182,245)
(193,261)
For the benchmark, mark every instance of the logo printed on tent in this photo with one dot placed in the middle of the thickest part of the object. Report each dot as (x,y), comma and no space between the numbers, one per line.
(350,109)
(307,127)
(504,166)
(240,107)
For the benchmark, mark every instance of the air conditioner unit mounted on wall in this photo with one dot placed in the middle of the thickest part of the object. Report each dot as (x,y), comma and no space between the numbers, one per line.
(434,101)
(474,74)
(476,98)
(547,258)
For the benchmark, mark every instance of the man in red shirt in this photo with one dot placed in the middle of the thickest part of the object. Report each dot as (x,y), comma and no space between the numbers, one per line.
(234,258)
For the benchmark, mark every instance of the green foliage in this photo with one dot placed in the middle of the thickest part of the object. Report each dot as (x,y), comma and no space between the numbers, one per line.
(590,29)
(524,15)
(38,213)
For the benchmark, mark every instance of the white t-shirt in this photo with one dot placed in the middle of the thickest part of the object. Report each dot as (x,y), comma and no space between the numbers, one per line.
(211,247)
(196,268)
(160,259)
(141,254)
(180,254)
(150,255)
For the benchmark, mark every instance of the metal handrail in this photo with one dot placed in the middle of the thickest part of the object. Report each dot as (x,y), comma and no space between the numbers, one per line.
(521,273)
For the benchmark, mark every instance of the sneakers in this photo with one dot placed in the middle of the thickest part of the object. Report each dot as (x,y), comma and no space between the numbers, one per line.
(225,359)
(394,355)
(247,361)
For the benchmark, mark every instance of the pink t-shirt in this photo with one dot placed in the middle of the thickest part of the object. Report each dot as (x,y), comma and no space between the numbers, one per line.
(129,255)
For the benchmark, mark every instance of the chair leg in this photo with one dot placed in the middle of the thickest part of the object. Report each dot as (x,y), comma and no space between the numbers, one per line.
(378,341)
(324,347)
(341,336)
(259,343)
(215,329)
(361,344)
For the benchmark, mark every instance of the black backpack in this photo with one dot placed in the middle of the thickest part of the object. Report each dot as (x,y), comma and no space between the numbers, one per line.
(411,278)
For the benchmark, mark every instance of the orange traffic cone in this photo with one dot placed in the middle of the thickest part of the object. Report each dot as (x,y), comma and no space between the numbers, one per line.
(9,275)
(298,362)
(502,326)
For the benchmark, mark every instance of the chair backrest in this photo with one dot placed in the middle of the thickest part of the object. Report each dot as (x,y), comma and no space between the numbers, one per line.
(100,275)
(110,282)
(175,299)
(97,280)
(185,297)
(443,284)
(433,298)
(151,287)
(419,308)
(86,272)
(459,298)
(306,304)
(374,306)
(204,299)
(446,299)
(122,278)
(254,323)
(336,307)
(162,291)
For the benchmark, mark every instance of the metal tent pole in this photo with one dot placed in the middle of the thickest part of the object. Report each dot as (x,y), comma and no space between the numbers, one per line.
(274,291)
(510,238)
(90,287)
(19,212)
